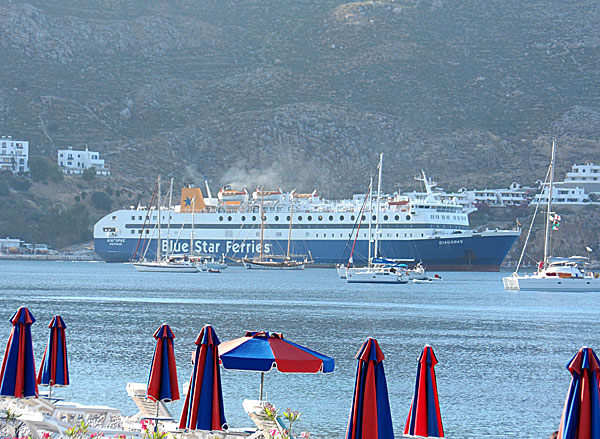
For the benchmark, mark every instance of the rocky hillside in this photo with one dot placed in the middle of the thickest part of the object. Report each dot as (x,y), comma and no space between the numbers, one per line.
(306,93)
(303,93)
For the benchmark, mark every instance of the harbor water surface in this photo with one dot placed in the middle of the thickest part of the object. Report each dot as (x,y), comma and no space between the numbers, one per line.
(502,355)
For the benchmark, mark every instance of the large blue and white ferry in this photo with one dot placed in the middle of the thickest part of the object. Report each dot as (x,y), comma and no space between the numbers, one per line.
(431,230)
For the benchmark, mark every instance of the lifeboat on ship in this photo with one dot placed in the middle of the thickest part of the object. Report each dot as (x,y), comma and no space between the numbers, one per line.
(310,196)
(227,195)
(399,203)
(268,195)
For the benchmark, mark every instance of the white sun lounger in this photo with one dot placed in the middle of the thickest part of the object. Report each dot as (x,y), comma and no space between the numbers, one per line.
(70,412)
(147,407)
(35,414)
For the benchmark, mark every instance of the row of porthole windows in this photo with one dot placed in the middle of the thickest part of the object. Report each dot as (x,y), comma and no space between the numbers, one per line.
(320,218)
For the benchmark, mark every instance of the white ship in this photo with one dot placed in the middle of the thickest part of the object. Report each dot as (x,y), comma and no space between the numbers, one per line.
(431,230)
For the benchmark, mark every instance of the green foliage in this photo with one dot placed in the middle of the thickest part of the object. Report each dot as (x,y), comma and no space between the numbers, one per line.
(281,432)
(83,195)
(77,199)
(62,227)
(4,191)
(19,183)
(77,431)
(101,201)
(42,170)
(594,197)
(109,191)
(89,174)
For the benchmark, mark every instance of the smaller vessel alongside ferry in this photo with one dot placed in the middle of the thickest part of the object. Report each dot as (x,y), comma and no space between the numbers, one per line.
(375,272)
(166,264)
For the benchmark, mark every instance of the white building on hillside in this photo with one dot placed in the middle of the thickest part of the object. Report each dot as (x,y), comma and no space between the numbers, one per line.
(562,194)
(75,162)
(584,176)
(14,155)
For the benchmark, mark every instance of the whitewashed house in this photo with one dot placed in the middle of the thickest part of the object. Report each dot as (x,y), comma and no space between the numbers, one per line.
(14,155)
(75,162)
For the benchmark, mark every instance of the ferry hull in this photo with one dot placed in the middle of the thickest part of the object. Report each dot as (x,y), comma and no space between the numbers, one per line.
(449,253)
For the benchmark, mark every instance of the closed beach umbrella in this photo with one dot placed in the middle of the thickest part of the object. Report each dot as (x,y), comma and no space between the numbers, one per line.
(54,370)
(581,414)
(424,418)
(261,351)
(162,381)
(370,417)
(17,377)
(203,407)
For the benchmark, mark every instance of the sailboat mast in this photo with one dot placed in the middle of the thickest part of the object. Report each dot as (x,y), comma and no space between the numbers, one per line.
(378,205)
(192,231)
(159,249)
(169,219)
(549,207)
(262,222)
(290,229)
(370,215)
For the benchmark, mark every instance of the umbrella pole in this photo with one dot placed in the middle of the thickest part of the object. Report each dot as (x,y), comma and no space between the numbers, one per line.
(50,392)
(262,383)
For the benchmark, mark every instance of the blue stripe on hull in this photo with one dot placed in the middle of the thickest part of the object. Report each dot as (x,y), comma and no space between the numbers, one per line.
(477,253)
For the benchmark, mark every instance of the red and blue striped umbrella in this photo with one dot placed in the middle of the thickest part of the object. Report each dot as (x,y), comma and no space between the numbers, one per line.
(261,351)
(162,381)
(17,377)
(581,414)
(424,418)
(54,370)
(370,417)
(203,407)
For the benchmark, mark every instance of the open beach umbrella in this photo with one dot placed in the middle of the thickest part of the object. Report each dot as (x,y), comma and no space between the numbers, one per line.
(261,351)
(54,370)
(162,381)
(424,418)
(581,414)
(370,417)
(17,377)
(203,407)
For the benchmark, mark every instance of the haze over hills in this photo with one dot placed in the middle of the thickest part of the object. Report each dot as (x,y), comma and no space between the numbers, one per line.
(305,94)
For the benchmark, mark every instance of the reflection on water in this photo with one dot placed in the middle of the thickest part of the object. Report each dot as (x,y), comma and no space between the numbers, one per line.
(501,354)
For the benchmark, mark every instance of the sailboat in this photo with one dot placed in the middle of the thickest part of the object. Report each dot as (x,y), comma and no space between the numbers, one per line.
(275,262)
(167,263)
(554,273)
(373,272)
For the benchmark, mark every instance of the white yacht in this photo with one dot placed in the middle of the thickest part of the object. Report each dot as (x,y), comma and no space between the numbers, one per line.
(553,274)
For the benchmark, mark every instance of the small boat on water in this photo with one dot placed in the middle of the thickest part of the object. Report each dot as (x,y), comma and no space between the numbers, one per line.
(167,264)
(553,274)
(273,262)
(210,264)
(375,271)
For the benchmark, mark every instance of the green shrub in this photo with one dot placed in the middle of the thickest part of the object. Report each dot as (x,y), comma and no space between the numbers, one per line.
(4,191)
(20,184)
(89,174)
(42,169)
(101,201)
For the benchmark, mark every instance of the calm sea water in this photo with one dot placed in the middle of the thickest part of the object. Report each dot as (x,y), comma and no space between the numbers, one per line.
(501,354)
